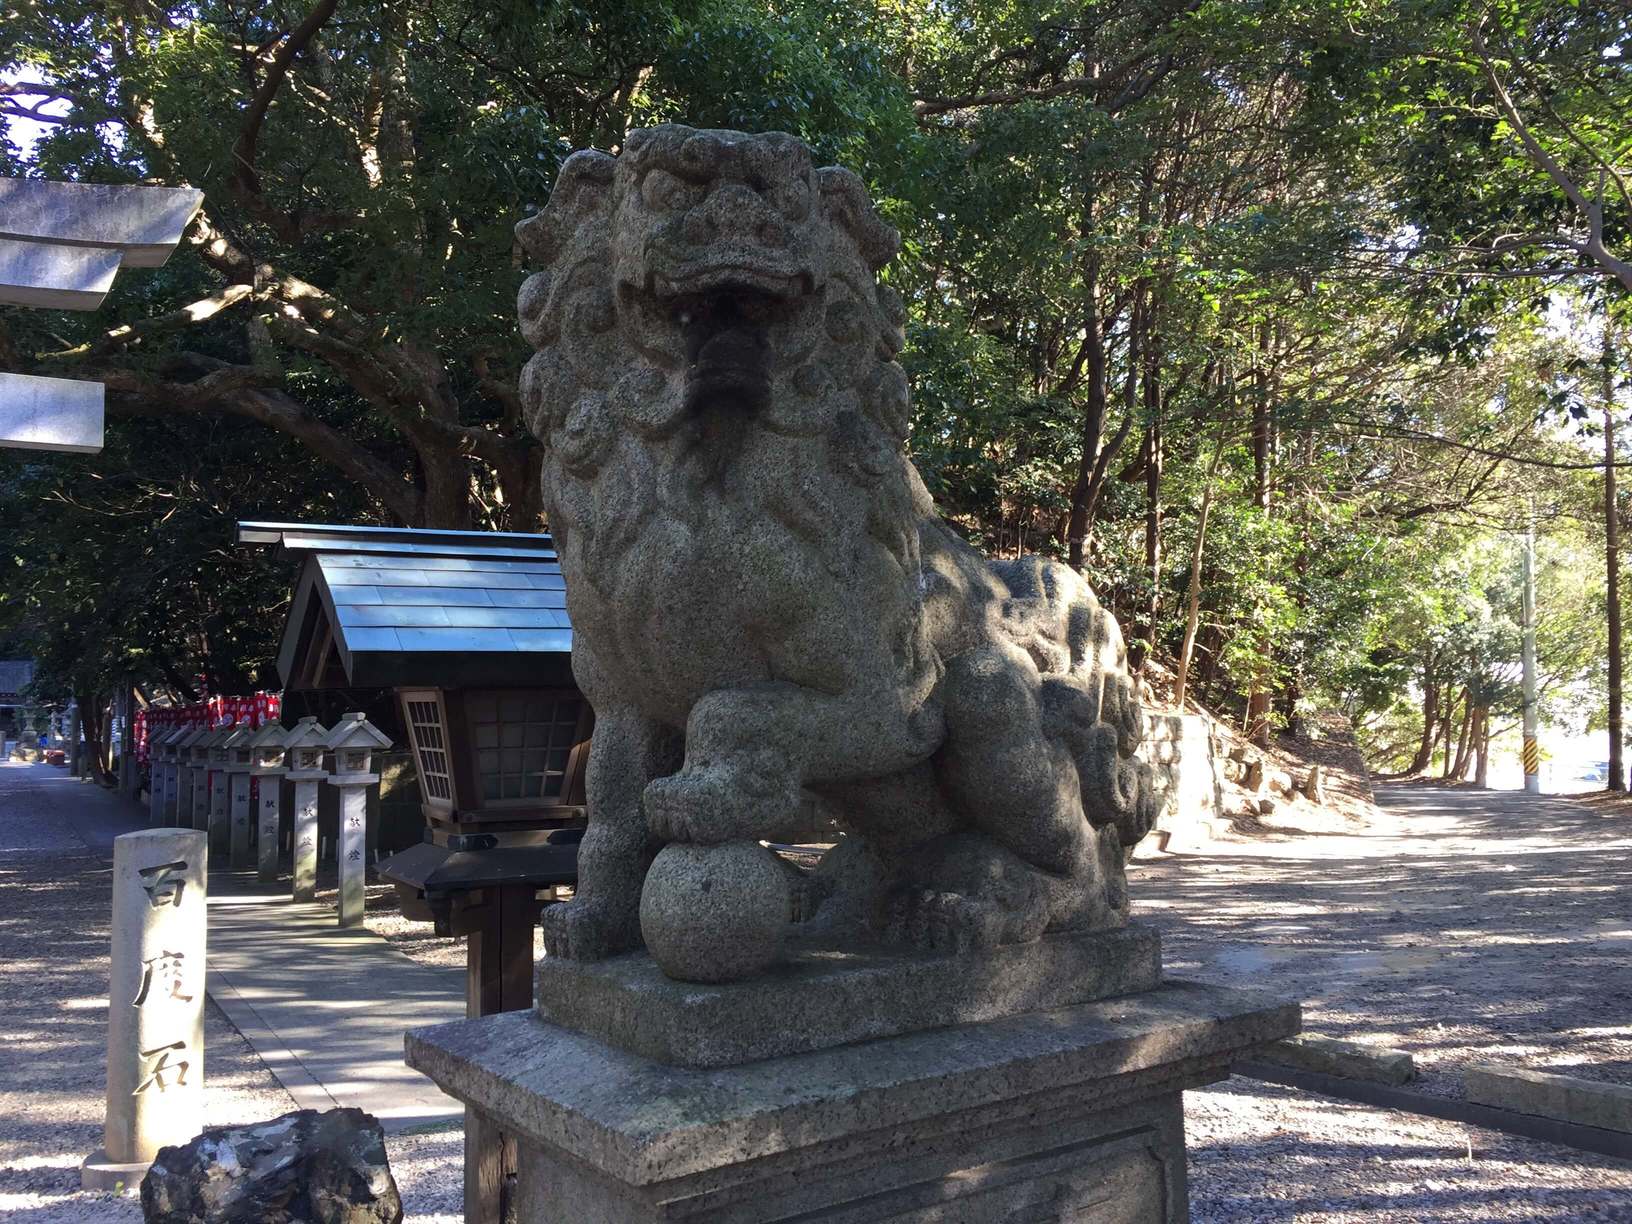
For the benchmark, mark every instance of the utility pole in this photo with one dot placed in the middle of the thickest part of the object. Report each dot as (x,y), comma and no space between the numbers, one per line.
(1612,558)
(1532,754)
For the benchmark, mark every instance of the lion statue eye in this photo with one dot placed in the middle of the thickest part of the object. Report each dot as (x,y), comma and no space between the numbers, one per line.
(665,192)
(793,198)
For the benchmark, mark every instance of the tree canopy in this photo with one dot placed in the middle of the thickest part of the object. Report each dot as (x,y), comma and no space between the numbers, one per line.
(1288,306)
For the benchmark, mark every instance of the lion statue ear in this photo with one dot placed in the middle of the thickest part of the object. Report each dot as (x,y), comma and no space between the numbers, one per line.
(583,189)
(845,200)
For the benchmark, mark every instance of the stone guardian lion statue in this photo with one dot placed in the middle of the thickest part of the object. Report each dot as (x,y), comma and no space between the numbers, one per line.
(770,617)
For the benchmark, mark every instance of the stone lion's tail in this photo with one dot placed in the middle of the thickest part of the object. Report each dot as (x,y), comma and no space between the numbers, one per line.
(1090,704)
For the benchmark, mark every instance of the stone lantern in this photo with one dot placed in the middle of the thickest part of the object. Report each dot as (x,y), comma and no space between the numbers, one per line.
(266,769)
(303,765)
(238,763)
(193,803)
(209,749)
(353,741)
(166,780)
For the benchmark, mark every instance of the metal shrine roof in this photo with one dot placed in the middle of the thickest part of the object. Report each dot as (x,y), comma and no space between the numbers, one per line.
(395,606)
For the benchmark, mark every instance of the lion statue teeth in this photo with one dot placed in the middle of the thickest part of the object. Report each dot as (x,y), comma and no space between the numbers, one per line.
(770,618)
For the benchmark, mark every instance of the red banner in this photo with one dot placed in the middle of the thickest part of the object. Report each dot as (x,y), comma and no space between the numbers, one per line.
(154,722)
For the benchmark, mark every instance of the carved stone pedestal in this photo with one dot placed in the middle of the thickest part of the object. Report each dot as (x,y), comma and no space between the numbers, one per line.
(1073,1114)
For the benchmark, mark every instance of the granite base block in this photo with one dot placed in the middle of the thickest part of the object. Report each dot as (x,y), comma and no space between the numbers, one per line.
(1072,1114)
(102,1174)
(819,997)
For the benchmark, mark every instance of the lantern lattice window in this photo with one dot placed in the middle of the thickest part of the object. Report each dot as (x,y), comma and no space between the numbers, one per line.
(427,727)
(524,742)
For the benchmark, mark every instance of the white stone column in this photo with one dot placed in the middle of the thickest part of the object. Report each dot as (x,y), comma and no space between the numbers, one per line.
(172,787)
(155,784)
(266,833)
(238,797)
(305,838)
(303,755)
(155,1004)
(352,847)
(184,792)
(199,780)
(220,817)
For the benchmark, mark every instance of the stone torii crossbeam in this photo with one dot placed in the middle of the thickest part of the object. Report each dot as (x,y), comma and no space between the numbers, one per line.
(60,246)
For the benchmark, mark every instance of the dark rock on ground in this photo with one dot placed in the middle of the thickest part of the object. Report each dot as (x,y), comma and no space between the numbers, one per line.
(303,1168)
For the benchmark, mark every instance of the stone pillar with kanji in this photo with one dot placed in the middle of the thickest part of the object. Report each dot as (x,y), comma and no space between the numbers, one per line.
(155,1004)
(220,816)
(266,754)
(171,749)
(197,752)
(353,740)
(303,756)
(184,779)
(238,762)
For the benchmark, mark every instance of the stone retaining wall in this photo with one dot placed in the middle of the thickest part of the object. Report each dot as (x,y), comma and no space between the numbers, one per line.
(1184,767)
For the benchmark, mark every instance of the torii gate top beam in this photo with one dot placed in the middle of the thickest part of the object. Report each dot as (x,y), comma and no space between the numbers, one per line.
(60,246)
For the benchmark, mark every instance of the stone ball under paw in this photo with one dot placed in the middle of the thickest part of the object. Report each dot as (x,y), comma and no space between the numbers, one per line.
(714,913)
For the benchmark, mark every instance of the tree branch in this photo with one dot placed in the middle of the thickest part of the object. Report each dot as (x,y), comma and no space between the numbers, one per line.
(245,181)
(133,333)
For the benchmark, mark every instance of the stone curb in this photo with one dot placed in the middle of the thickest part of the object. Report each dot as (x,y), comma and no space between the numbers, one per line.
(1528,1126)
(1549,1095)
(1344,1059)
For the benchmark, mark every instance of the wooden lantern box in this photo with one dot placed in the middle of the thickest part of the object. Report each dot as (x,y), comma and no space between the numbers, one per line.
(470,632)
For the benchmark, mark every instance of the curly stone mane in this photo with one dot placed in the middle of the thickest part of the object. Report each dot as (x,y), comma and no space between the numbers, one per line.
(770,618)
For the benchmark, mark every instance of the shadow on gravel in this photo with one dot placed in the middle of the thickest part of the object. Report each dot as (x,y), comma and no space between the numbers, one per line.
(1515,948)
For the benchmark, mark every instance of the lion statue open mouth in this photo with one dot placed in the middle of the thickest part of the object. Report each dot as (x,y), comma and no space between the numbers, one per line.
(770,618)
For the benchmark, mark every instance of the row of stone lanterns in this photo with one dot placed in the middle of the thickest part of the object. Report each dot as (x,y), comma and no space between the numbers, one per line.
(202,779)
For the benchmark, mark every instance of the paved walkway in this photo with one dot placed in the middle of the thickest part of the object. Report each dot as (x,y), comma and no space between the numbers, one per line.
(1464,926)
(324,1008)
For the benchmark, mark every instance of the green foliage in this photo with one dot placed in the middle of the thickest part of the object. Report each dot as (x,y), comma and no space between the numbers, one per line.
(1287,229)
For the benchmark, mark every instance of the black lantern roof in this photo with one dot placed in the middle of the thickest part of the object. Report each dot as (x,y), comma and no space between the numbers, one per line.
(391,607)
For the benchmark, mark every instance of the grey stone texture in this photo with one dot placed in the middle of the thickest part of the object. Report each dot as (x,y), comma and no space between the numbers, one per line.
(769,616)
(155,1003)
(303,1168)
(1344,1059)
(820,997)
(714,913)
(1071,1114)
(1185,775)
(1566,1098)
(49,277)
(142,223)
(55,414)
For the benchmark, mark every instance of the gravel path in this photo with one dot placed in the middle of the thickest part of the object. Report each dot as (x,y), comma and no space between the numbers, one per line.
(1259,1152)
(55,900)
(1464,926)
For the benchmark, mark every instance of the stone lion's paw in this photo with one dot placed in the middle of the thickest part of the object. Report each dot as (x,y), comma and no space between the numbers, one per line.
(717,804)
(582,930)
(942,922)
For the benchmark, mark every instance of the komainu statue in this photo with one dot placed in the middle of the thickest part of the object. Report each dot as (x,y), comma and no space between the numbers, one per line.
(770,617)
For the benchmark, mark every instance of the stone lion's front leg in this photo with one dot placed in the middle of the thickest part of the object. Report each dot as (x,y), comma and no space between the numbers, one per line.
(603,919)
(751,750)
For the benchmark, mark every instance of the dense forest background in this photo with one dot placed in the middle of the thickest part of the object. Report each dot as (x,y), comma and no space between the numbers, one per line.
(1283,319)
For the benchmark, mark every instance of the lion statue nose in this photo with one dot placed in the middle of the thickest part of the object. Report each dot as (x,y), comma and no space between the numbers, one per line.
(735,212)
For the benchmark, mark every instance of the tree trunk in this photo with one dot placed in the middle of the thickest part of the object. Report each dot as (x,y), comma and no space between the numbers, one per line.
(1459,770)
(1257,728)
(94,724)
(1612,563)
(1153,494)
(1260,421)
(1430,719)
(1192,612)
(1481,773)
(1447,715)
(1093,421)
